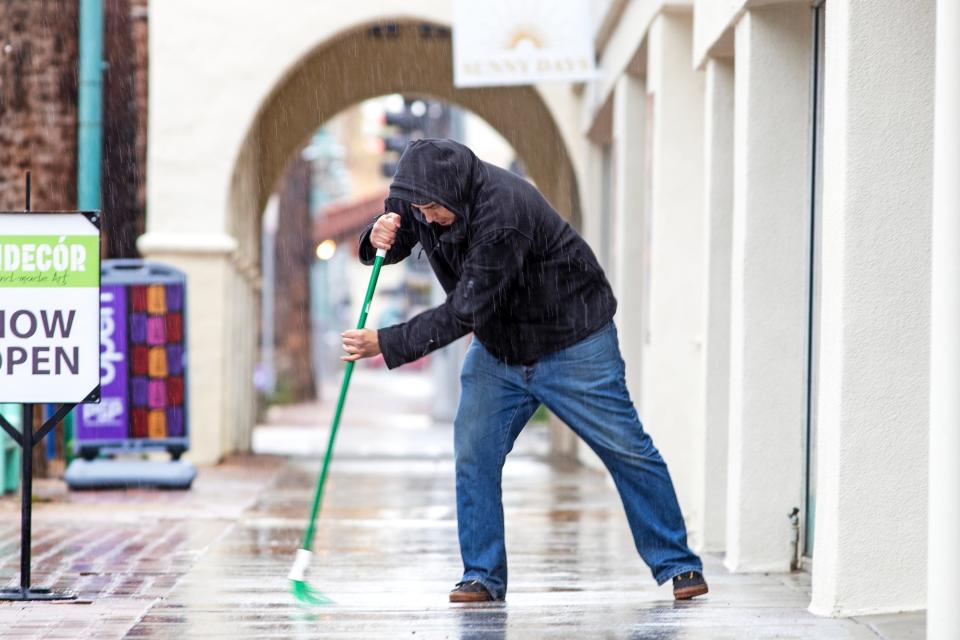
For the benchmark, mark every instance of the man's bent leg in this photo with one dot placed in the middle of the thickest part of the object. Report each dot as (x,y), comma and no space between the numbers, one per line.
(584,386)
(493,409)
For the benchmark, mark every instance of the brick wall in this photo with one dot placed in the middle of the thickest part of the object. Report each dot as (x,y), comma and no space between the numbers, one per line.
(38,102)
(124,118)
(138,15)
(39,48)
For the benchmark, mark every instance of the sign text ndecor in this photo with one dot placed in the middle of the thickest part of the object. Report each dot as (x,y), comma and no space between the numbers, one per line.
(49,307)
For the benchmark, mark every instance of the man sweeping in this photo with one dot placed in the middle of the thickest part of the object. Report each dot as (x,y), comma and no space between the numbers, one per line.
(540,309)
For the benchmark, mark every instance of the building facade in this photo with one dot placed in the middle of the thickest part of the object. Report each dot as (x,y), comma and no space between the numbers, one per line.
(757,177)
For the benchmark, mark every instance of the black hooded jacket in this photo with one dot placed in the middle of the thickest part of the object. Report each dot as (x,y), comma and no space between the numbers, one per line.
(515,273)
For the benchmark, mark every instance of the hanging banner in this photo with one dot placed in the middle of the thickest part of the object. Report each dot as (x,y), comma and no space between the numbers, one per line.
(49,307)
(511,42)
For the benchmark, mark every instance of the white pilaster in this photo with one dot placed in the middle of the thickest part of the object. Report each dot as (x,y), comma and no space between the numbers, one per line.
(943,582)
(629,123)
(874,368)
(672,398)
(718,201)
(768,326)
(207,262)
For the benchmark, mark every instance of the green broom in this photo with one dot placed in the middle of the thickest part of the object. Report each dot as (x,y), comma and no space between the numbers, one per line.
(299,587)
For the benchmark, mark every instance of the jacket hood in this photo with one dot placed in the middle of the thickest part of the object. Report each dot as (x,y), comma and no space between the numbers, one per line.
(436,170)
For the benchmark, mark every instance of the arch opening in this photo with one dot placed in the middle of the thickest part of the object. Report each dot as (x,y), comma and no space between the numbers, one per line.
(412,58)
(407,57)
(311,278)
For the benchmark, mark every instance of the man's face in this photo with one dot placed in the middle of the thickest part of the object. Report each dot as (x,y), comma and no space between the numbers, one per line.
(434,212)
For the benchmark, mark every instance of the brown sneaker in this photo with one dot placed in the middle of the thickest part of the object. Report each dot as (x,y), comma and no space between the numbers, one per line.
(689,584)
(470,591)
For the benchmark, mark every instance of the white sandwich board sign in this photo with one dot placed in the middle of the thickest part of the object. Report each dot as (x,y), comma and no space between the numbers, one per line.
(513,42)
(49,307)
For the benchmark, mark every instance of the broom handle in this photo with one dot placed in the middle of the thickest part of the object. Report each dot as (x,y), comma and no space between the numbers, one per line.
(318,495)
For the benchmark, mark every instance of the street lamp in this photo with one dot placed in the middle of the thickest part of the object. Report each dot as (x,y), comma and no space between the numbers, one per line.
(326,249)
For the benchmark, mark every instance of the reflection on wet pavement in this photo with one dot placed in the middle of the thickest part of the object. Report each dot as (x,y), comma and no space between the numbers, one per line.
(387,555)
(212,563)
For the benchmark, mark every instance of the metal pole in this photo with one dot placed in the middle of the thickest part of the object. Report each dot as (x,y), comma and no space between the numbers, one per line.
(26,495)
(89,135)
(26,469)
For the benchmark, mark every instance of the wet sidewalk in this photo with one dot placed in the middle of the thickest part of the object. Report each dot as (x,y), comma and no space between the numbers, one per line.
(212,562)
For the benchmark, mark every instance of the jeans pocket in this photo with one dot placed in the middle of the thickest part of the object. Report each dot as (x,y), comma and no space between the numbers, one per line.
(603,341)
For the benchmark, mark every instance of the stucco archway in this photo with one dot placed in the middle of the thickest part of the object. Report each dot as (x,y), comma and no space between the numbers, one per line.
(214,236)
(357,65)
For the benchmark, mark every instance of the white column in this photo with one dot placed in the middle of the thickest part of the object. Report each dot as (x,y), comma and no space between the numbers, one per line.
(672,399)
(241,352)
(873,405)
(768,325)
(629,122)
(206,261)
(249,347)
(943,582)
(718,201)
(231,332)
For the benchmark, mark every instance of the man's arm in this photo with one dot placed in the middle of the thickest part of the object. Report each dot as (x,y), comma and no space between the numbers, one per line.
(406,235)
(492,265)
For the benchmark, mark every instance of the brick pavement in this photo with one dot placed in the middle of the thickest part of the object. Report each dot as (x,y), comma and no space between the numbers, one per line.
(122,551)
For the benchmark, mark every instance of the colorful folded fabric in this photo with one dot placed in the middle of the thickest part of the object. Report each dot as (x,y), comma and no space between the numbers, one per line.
(174,327)
(156,299)
(175,360)
(139,361)
(157,424)
(158,362)
(139,389)
(156,330)
(138,328)
(175,391)
(157,394)
(175,422)
(138,298)
(174,297)
(138,424)
(154,386)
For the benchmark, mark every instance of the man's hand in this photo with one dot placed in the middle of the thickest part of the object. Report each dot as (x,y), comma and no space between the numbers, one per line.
(360,343)
(384,231)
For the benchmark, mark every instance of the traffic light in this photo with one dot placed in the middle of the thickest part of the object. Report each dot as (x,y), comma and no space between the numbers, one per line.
(400,128)
(416,119)
(405,120)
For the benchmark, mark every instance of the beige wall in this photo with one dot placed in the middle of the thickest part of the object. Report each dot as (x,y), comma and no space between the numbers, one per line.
(874,315)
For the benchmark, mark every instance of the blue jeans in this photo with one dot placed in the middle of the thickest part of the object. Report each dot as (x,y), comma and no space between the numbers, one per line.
(584,385)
